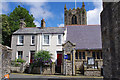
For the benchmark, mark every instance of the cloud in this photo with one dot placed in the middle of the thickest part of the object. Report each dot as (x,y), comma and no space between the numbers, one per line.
(40,10)
(60,25)
(93,16)
(4,7)
(37,23)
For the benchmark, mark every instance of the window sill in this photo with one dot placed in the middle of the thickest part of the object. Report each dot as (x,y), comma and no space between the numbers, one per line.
(19,45)
(32,45)
(46,44)
(59,44)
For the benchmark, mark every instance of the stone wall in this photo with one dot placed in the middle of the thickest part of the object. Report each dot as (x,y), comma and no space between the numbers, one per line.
(110,23)
(92,72)
(45,70)
(69,69)
(5,59)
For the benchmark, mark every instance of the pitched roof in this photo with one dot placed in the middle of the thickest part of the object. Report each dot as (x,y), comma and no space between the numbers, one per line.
(85,36)
(37,30)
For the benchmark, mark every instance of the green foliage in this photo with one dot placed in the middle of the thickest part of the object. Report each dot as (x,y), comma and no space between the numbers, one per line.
(42,57)
(6,32)
(17,62)
(20,60)
(10,23)
(20,13)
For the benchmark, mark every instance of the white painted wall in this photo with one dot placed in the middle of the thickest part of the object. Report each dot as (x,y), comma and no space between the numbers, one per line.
(53,47)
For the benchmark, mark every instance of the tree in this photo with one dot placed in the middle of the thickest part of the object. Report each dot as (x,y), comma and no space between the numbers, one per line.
(6,32)
(41,58)
(11,23)
(20,13)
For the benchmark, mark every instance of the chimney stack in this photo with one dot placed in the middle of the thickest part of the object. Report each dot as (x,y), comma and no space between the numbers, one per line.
(22,23)
(42,23)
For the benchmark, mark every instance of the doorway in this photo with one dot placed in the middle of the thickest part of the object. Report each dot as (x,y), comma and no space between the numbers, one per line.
(32,53)
(59,61)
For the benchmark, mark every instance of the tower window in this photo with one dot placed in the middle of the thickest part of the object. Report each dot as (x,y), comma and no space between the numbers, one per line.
(74,19)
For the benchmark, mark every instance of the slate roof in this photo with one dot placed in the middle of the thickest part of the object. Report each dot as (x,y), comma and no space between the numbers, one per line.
(85,36)
(37,30)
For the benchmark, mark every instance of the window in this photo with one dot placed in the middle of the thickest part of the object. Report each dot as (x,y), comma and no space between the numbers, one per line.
(74,19)
(46,39)
(20,54)
(20,40)
(98,55)
(79,55)
(68,56)
(93,55)
(59,39)
(76,55)
(83,55)
(101,55)
(32,39)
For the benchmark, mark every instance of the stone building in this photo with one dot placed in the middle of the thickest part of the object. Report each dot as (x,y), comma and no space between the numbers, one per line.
(5,59)
(26,41)
(88,43)
(75,16)
(110,24)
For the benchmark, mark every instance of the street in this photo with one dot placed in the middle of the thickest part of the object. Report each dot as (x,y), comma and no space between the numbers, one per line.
(20,76)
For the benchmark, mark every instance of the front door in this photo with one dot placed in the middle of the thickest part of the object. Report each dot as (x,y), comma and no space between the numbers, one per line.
(32,56)
(59,62)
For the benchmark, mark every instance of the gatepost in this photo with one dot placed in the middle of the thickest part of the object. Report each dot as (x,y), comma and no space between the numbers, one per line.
(68,58)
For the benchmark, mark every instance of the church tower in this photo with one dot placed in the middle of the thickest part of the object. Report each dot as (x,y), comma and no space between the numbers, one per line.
(75,16)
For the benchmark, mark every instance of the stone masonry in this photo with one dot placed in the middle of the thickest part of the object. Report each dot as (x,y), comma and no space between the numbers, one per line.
(5,59)
(110,23)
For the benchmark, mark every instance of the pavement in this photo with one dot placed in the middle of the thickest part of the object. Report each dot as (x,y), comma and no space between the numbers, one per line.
(23,76)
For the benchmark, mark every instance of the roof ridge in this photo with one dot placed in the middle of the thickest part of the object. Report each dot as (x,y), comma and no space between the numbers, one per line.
(54,27)
(30,27)
(84,25)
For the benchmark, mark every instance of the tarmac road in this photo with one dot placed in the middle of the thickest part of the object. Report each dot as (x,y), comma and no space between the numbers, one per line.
(20,76)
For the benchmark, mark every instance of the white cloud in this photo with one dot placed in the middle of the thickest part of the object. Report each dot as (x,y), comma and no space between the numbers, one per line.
(39,10)
(60,25)
(37,23)
(4,7)
(93,16)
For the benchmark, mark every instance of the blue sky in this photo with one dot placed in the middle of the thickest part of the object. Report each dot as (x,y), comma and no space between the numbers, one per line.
(53,12)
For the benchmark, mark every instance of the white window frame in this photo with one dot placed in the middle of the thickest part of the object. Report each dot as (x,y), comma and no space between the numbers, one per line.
(21,39)
(44,39)
(32,40)
(58,39)
(18,55)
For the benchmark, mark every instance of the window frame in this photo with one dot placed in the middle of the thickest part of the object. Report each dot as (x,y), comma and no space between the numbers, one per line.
(58,39)
(44,39)
(18,54)
(21,39)
(32,40)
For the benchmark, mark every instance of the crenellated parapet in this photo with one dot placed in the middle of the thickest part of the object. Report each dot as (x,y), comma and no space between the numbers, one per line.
(75,16)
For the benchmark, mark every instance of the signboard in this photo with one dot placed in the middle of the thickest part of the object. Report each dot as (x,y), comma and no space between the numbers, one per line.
(65,56)
(90,61)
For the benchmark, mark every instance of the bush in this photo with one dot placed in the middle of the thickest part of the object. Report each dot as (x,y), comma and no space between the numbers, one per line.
(20,60)
(17,62)
(41,58)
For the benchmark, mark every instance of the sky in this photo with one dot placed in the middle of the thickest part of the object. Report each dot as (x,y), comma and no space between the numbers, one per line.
(53,12)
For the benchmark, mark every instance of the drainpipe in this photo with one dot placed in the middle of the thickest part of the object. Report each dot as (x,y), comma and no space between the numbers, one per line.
(41,40)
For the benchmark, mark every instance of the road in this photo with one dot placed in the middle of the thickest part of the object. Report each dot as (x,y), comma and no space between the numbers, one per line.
(19,76)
